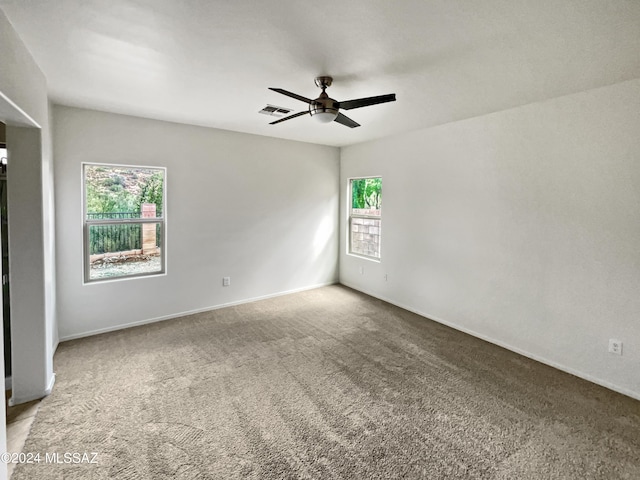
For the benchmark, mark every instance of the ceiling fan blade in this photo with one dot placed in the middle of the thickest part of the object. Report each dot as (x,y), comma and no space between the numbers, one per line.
(292,95)
(305,112)
(344,120)
(365,102)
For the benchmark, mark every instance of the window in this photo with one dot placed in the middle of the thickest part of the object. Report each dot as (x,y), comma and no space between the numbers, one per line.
(365,216)
(124,221)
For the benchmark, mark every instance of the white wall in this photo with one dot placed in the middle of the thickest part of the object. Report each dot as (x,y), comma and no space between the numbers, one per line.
(32,289)
(23,104)
(260,210)
(521,227)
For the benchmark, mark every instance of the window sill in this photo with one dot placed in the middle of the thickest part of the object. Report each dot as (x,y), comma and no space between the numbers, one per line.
(364,257)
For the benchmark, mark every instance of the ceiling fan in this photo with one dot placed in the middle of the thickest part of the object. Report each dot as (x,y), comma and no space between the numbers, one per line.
(326,109)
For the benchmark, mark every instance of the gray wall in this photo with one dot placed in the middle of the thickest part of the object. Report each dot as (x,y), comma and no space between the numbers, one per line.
(520,227)
(260,210)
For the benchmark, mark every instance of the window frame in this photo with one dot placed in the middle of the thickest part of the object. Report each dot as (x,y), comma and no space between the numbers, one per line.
(351,216)
(88,223)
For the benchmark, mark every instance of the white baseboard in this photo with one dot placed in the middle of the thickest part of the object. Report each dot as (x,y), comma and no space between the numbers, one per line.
(14,400)
(524,353)
(51,384)
(190,312)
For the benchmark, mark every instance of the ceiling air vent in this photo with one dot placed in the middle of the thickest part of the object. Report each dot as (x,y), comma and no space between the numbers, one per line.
(275,111)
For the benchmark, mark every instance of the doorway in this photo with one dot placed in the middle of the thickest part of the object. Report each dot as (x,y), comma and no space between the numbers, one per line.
(4,235)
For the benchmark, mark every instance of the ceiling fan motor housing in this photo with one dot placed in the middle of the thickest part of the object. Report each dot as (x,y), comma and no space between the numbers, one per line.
(325,109)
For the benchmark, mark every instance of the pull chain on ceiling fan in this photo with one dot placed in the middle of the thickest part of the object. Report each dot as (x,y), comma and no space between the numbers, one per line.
(325,109)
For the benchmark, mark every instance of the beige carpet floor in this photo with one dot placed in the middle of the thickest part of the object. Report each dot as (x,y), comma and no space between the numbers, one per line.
(323,384)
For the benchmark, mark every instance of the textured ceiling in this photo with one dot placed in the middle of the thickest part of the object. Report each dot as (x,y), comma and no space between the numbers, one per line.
(210,62)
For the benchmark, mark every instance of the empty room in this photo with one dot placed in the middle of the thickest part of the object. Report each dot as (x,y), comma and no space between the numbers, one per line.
(320,240)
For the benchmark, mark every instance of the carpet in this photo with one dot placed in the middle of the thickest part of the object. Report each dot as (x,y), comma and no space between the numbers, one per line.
(323,384)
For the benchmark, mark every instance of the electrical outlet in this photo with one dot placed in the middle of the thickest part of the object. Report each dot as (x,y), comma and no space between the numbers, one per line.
(361,270)
(226,281)
(386,278)
(615,346)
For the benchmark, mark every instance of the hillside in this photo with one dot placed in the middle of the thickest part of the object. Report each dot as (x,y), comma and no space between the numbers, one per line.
(122,189)
(115,179)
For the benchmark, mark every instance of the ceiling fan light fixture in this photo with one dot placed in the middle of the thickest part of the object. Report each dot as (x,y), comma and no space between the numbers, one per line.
(324,111)
(325,116)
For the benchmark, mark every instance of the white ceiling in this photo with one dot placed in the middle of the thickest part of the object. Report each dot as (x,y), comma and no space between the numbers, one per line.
(210,62)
